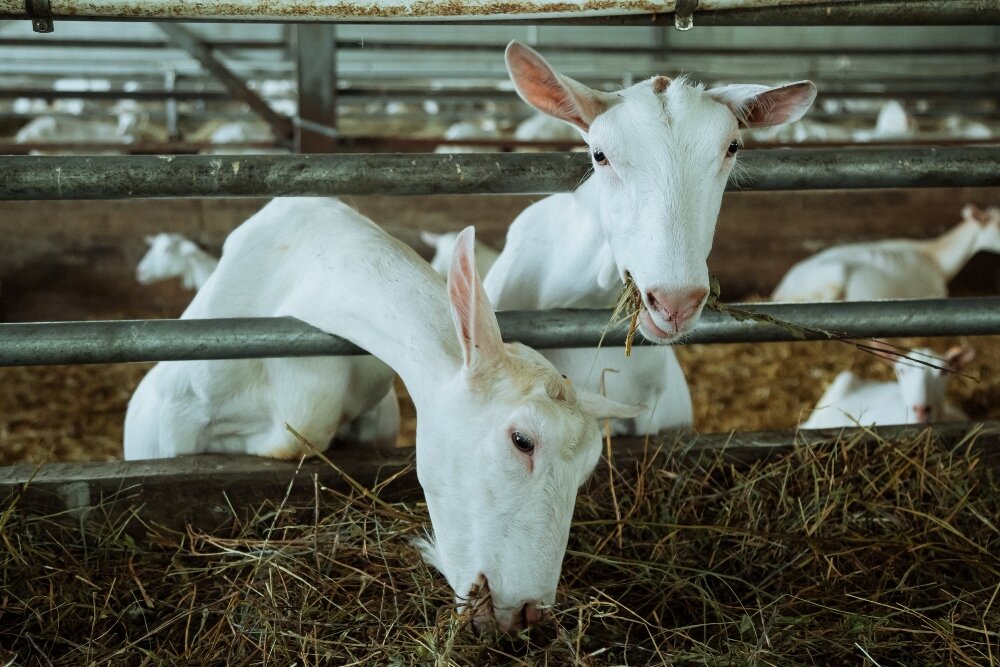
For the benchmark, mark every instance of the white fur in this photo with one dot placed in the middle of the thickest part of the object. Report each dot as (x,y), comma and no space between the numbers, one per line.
(892,269)
(496,512)
(650,212)
(444,245)
(175,256)
(918,395)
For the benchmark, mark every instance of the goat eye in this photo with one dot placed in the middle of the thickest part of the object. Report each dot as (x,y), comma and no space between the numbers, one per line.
(600,158)
(733,147)
(522,442)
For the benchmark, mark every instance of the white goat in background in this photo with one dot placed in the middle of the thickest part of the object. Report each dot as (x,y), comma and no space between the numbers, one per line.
(917,396)
(662,152)
(894,268)
(503,442)
(175,256)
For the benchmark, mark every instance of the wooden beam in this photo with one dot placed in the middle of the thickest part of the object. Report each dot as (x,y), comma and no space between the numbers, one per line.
(206,491)
(187,40)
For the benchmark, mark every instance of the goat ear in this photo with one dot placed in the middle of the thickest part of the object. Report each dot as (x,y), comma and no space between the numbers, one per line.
(602,407)
(959,356)
(763,106)
(430,238)
(475,322)
(553,93)
(971,212)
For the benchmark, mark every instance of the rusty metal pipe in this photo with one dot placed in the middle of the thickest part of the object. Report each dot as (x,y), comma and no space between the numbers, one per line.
(613,12)
(163,176)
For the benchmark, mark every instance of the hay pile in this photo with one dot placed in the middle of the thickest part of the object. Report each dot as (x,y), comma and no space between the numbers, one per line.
(75,413)
(824,555)
(64,413)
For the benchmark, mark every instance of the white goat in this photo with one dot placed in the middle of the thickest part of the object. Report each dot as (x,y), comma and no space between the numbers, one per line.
(662,152)
(503,442)
(541,127)
(917,396)
(467,129)
(895,268)
(175,256)
(444,246)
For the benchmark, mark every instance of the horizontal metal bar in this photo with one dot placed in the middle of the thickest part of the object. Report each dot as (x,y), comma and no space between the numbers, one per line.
(141,95)
(46,343)
(141,176)
(670,50)
(97,43)
(205,491)
(627,12)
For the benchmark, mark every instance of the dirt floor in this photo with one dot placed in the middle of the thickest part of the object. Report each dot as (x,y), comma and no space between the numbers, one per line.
(75,413)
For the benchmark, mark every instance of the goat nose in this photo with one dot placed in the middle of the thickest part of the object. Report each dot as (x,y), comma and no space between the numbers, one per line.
(677,306)
(528,615)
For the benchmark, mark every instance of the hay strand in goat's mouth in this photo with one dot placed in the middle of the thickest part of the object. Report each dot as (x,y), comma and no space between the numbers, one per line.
(628,307)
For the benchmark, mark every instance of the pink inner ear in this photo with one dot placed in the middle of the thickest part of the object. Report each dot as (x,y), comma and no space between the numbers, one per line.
(778,106)
(461,292)
(543,88)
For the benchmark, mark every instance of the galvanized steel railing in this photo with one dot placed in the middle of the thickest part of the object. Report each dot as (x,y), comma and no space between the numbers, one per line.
(45,343)
(156,176)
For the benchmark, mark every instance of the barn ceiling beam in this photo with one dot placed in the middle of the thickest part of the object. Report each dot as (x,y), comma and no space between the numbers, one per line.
(187,40)
(149,176)
(617,12)
(47,343)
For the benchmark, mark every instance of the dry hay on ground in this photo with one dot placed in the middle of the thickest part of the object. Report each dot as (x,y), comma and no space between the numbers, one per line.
(64,413)
(821,555)
(75,413)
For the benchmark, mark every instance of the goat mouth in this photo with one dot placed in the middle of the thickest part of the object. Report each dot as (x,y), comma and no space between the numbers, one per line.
(649,328)
(480,603)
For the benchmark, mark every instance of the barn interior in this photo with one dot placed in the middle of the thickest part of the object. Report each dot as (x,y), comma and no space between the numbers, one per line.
(139,88)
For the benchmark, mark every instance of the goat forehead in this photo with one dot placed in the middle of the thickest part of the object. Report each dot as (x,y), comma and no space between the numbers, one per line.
(674,125)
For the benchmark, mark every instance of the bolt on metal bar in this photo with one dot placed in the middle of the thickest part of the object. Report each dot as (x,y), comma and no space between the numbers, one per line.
(628,12)
(163,176)
(46,343)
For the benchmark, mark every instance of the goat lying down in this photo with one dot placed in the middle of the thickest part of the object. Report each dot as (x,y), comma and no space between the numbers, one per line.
(894,268)
(916,396)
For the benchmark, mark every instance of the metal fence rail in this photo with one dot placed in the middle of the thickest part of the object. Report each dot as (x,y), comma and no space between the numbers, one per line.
(130,177)
(44,343)
(629,12)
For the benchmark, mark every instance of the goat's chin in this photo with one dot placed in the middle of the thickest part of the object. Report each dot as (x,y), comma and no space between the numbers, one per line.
(654,334)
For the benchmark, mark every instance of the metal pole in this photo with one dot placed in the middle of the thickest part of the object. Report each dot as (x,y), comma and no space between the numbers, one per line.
(627,12)
(147,176)
(316,68)
(47,343)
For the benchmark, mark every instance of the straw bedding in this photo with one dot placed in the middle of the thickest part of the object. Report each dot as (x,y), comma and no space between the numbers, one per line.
(823,555)
(75,413)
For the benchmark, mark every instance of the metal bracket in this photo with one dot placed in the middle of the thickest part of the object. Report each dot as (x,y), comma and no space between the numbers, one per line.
(684,14)
(40,13)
